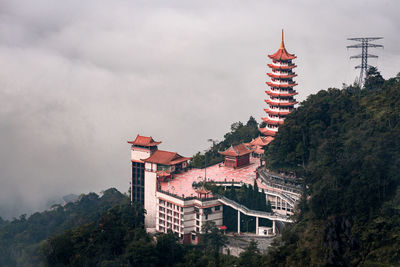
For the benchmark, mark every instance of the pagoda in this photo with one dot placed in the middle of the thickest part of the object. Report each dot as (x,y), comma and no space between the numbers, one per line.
(281,93)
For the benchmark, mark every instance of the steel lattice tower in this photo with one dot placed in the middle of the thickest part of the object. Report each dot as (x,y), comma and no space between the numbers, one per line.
(364,45)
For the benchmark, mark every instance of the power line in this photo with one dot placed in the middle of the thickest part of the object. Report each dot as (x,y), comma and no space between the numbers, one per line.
(364,45)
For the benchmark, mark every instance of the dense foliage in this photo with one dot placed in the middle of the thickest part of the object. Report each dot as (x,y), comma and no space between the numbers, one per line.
(119,239)
(346,145)
(21,238)
(240,133)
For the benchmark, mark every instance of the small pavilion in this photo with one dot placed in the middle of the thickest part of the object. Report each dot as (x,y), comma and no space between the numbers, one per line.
(237,156)
(258,145)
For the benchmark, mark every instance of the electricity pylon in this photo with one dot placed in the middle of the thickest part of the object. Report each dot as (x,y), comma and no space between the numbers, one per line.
(364,45)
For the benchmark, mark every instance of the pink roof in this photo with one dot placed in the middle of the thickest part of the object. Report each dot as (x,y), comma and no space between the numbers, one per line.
(202,191)
(282,67)
(282,76)
(144,141)
(281,85)
(236,151)
(166,158)
(261,141)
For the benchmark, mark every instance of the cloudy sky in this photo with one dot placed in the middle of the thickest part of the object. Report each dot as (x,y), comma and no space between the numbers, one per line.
(80,78)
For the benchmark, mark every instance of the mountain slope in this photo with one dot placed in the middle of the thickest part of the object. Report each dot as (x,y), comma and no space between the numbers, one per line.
(346,144)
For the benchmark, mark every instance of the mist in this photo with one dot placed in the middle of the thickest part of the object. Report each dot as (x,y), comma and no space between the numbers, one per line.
(80,78)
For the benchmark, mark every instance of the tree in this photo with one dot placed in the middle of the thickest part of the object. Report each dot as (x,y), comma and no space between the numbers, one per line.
(251,256)
(168,248)
(373,80)
(213,238)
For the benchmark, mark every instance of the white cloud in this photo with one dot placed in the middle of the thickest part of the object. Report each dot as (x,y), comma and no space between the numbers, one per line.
(80,78)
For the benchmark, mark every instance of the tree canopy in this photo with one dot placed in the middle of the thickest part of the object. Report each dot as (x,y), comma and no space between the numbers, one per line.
(346,145)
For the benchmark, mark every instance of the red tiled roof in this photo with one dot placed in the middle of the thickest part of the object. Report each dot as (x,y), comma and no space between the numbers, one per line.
(261,141)
(202,190)
(280,93)
(165,158)
(272,103)
(281,76)
(236,151)
(281,85)
(144,141)
(270,111)
(282,54)
(292,66)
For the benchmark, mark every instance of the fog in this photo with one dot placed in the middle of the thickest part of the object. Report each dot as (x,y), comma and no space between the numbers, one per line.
(80,78)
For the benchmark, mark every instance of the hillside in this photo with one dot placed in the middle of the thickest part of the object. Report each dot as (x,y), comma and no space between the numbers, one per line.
(346,145)
(20,239)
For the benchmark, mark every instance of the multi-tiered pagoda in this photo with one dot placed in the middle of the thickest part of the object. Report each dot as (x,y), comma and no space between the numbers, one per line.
(281,93)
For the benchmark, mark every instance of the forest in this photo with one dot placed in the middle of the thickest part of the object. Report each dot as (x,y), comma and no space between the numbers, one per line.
(346,145)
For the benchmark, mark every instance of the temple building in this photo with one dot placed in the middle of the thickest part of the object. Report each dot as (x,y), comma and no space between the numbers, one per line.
(237,156)
(281,93)
(153,170)
(142,147)
(175,197)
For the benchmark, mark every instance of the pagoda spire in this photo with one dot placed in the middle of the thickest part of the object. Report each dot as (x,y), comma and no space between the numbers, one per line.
(280,101)
(282,42)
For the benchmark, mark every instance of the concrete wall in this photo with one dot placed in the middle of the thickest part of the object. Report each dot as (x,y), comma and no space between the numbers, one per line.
(150,199)
(139,153)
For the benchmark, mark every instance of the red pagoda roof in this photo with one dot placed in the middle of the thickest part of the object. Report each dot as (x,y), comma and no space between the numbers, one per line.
(270,111)
(272,66)
(282,54)
(202,191)
(261,141)
(280,94)
(282,85)
(265,131)
(273,75)
(280,103)
(166,158)
(236,151)
(272,121)
(144,141)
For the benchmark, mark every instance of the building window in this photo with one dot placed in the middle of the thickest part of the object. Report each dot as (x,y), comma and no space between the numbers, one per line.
(217,208)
